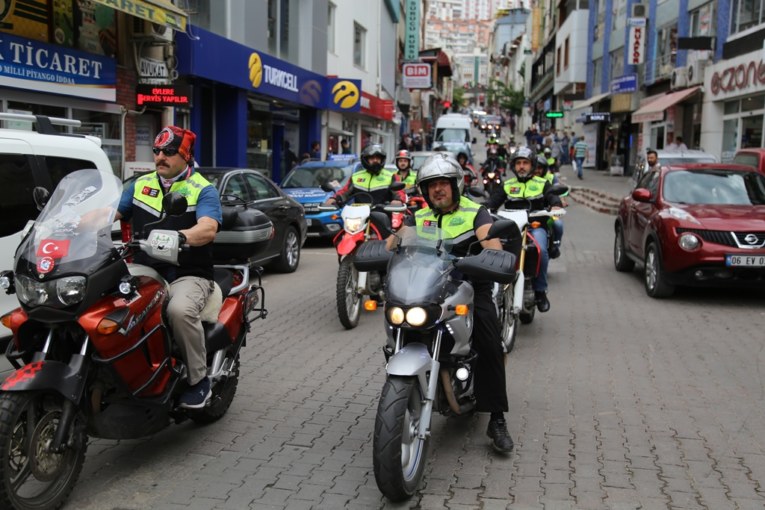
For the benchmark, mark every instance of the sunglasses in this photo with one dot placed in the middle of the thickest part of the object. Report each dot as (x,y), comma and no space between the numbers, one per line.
(167,151)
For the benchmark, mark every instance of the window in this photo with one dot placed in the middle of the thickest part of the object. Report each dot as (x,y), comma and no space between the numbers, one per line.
(17,183)
(557,61)
(58,168)
(331,9)
(702,21)
(745,14)
(260,188)
(235,187)
(565,54)
(359,45)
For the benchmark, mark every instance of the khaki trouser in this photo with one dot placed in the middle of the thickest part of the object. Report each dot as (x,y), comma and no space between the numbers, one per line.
(188,297)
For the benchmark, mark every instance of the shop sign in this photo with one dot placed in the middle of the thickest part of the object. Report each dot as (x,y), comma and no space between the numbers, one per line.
(412,30)
(623,84)
(738,78)
(34,65)
(153,72)
(376,107)
(597,117)
(636,41)
(416,76)
(242,67)
(344,95)
(150,12)
(163,95)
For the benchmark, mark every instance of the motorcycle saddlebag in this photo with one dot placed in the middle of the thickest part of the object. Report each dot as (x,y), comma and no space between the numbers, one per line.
(372,256)
(244,235)
(494,265)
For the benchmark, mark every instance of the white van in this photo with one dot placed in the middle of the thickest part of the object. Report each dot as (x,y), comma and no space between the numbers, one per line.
(29,159)
(452,127)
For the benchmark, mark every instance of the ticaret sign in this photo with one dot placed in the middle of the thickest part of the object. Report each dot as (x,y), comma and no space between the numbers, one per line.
(636,42)
(416,76)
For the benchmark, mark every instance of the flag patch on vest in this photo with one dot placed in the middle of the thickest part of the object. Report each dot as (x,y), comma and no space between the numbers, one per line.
(147,190)
(515,189)
(428,224)
(359,179)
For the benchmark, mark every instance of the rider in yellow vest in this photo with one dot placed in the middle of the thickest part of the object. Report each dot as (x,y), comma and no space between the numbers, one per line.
(191,282)
(406,173)
(463,221)
(374,180)
(525,184)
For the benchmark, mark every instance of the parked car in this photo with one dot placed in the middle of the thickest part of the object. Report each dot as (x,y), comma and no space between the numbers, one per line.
(751,157)
(244,188)
(694,225)
(303,184)
(673,158)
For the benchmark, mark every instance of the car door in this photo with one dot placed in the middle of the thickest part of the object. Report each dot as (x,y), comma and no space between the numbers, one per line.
(640,213)
(267,198)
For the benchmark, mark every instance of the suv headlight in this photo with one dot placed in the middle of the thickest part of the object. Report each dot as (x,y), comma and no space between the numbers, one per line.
(66,291)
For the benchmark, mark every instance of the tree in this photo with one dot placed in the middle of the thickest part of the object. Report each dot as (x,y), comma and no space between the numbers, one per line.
(458,97)
(506,97)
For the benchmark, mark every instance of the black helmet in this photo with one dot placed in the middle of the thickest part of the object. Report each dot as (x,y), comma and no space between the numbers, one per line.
(542,165)
(374,149)
(523,152)
(462,154)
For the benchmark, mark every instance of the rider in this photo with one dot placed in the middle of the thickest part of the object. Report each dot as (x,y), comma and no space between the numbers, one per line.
(441,184)
(525,184)
(406,173)
(467,169)
(550,160)
(191,282)
(374,180)
(543,171)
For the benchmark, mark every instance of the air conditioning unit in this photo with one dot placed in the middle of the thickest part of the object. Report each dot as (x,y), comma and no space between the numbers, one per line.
(639,11)
(679,78)
(695,73)
(156,32)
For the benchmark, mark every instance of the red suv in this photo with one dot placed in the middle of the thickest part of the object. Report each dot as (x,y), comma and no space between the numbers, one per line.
(694,224)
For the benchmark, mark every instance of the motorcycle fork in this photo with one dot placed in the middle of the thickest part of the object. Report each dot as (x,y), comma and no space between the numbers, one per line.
(431,388)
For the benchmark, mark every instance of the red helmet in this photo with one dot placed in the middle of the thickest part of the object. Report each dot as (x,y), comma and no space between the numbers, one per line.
(403,154)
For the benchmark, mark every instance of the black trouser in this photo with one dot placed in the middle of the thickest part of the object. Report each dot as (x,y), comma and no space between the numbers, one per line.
(490,388)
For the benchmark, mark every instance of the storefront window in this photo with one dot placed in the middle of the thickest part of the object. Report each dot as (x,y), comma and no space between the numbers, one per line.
(751,131)
(259,126)
(33,109)
(731,107)
(751,104)
(730,135)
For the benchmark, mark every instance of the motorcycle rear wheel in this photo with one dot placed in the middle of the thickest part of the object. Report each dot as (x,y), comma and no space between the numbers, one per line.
(222,395)
(348,299)
(399,455)
(32,478)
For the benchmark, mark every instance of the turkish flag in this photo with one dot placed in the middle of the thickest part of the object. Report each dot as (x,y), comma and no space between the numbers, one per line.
(53,248)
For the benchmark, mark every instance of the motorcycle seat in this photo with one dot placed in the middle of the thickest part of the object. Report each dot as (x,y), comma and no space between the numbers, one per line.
(223,281)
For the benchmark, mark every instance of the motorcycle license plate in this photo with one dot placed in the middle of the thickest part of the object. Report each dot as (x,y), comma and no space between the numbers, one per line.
(308,222)
(745,260)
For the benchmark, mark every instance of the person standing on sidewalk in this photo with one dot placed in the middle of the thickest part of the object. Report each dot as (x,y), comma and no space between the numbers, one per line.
(581,152)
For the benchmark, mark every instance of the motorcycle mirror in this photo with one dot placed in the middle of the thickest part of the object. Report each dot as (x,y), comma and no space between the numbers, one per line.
(558,189)
(40,196)
(397,186)
(174,204)
(326,186)
(502,228)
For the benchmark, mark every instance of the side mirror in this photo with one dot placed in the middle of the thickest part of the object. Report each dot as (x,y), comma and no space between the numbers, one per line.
(503,228)
(641,195)
(397,186)
(174,204)
(40,196)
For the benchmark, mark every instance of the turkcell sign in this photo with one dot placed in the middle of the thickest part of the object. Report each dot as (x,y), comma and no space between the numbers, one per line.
(624,84)
(416,76)
(33,65)
(636,41)
(412,30)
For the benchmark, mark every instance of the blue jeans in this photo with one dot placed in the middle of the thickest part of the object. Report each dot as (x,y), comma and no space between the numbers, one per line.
(579,166)
(540,282)
(557,230)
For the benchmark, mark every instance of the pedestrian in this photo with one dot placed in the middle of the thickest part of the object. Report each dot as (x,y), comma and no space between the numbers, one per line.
(581,152)
(565,141)
(610,146)
(316,150)
(191,280)
(677,145)
(289,159)
(345,147)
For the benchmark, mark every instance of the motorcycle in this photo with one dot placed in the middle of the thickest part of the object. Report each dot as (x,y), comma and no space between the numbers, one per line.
(93,352)
(430,363)
(492,178)
(361,222)
(515,300)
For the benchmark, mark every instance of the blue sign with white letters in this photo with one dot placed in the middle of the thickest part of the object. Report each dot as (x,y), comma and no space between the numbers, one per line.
(624,84)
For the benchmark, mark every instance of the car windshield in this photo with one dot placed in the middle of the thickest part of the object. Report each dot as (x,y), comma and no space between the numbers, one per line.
(418,160)
(315,176)
(451,135)
(714,187)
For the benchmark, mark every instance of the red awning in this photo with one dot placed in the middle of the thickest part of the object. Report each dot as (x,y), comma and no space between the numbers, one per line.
(655,109)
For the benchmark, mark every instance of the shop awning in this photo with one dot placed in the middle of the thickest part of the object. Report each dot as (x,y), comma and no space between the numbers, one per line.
(376,131)
(161,12)
(655,109)
(339,132)
(591,101)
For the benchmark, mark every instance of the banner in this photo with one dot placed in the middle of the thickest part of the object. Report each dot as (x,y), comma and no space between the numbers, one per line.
(412,35)
(636,41)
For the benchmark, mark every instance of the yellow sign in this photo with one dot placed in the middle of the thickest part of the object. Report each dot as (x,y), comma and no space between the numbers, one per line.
(25,19)
(256,70)
(345,94)
(160,12)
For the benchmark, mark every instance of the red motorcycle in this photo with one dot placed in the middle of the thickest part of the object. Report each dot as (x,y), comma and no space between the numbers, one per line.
(93,351)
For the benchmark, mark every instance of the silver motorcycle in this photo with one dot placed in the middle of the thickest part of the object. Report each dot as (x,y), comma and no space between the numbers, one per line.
(429,323)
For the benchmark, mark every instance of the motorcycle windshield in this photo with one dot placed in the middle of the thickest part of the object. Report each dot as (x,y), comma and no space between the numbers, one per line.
(419,269)
(72,234)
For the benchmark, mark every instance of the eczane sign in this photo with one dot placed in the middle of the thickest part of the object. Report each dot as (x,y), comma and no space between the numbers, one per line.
(416,76)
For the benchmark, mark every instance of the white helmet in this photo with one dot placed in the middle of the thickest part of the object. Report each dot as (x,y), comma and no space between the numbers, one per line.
(441,166)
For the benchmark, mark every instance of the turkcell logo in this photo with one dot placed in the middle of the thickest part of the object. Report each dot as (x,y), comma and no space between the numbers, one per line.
(263,73)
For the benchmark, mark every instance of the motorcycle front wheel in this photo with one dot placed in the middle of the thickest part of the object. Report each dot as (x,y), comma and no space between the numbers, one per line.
(508,319)
(348,299)
(399,455)
(31,476)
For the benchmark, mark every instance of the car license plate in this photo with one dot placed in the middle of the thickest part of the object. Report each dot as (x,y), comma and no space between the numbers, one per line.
(308,221)
(745,260)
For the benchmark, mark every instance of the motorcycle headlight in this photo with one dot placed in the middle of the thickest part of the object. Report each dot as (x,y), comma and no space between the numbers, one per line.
(491,175)
(395,315)
(70,290)
(353,225)
(416,316)
(65,291)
